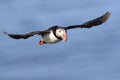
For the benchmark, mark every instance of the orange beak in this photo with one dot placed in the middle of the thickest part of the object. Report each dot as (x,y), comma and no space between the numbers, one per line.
(64,36)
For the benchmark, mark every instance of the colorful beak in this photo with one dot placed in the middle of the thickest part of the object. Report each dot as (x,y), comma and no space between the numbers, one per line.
(64,36)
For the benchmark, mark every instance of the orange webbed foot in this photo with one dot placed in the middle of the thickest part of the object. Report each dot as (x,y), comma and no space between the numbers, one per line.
(41,42)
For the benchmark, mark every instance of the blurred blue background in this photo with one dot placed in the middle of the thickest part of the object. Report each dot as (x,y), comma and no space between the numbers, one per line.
(89,54)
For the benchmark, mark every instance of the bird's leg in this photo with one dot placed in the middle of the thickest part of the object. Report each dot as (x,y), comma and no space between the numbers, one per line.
(41,42)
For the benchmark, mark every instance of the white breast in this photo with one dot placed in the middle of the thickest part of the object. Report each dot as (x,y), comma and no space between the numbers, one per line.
(50,38)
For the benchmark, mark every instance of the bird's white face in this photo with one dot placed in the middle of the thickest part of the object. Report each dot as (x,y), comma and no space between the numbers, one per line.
(62,34)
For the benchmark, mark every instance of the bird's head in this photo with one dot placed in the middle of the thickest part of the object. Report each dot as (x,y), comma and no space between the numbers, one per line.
(61,33)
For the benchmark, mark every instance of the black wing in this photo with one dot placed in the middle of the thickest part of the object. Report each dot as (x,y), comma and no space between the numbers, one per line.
(27,35)
(92,23)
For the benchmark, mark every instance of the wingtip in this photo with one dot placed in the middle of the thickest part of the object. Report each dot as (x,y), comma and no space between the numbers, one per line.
(107,14)
(4,32)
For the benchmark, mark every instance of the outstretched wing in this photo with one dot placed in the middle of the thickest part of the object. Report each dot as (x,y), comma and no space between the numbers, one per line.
(27,35)
(91,23)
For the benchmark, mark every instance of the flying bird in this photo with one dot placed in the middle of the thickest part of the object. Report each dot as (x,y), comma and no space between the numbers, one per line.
(58,33)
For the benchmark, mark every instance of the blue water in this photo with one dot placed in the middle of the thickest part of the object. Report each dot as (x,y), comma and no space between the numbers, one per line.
(89,54)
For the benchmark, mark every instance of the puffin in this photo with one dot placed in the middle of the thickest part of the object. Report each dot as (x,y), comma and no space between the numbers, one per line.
(57,33)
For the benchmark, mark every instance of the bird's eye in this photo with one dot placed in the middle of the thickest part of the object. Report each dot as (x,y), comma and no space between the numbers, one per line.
(60,31)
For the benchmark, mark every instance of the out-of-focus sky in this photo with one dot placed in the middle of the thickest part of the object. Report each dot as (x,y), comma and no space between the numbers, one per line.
(89,54)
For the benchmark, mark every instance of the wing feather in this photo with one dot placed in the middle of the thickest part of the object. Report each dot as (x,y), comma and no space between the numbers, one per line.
(91,23)
(27,35)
